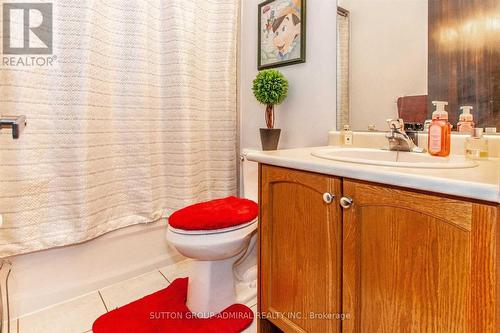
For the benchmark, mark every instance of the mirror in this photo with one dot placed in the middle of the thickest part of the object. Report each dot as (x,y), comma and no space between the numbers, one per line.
(394,57)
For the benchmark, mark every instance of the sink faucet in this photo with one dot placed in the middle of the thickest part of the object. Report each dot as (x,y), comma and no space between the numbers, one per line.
(399,139)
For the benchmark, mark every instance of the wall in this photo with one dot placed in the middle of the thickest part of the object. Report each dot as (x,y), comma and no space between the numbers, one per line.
(48,277)
(309,111)
(388,57)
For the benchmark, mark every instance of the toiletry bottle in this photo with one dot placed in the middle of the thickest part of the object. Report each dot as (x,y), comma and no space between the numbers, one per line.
(476,146)
(347,136)
(439,131)
(466,123)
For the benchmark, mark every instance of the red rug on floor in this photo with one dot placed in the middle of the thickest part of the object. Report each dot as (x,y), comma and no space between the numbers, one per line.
(166,312)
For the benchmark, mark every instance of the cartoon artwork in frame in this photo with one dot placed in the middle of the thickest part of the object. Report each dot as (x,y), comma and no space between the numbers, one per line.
(282,33)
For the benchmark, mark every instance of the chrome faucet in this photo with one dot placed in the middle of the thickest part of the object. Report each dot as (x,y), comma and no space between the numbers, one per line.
(399,140)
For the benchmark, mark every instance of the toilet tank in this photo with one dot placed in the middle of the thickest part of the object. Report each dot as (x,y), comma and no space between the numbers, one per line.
(249,186)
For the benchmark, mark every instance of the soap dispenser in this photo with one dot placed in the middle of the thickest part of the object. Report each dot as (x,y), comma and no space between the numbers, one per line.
(439,131)
(466,123)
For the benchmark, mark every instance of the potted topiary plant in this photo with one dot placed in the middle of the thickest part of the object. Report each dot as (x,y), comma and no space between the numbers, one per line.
(270,87)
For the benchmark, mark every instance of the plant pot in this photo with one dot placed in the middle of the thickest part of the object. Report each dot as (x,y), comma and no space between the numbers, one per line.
(270,138)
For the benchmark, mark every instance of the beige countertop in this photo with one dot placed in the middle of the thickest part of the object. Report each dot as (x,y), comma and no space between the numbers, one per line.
(481,182)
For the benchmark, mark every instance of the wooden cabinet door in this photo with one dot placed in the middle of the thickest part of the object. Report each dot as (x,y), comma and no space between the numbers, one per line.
(300,245)
(415,262)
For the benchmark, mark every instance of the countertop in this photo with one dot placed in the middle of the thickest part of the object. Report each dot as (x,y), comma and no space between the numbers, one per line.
(481,182)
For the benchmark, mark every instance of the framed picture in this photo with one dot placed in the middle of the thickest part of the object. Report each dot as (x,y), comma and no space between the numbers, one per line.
(282,33)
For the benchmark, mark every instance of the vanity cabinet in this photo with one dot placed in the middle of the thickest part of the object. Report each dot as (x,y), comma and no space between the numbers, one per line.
(415,262)
(300,243)
(392,260)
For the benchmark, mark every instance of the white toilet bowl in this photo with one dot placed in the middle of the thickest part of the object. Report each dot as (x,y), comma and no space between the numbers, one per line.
(211,280)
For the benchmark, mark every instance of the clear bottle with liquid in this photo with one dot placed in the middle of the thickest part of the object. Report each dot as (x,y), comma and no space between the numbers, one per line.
(476,146)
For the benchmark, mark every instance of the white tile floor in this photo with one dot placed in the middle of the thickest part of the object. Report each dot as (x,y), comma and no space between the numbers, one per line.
(77,315)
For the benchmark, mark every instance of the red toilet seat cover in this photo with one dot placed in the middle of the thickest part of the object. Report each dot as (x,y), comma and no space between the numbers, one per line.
(215,214)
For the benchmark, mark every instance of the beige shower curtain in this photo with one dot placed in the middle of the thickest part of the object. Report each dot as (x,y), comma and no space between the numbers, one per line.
(136,118)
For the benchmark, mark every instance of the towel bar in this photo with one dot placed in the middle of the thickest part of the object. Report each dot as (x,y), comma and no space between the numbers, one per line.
(16,123)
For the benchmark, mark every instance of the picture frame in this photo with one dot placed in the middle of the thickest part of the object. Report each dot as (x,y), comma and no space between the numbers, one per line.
(281,42)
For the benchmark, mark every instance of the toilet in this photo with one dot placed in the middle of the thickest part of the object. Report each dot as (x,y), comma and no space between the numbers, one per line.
(223,258)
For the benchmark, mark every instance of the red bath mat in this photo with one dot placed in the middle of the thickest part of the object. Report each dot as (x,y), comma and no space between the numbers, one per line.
(166,312)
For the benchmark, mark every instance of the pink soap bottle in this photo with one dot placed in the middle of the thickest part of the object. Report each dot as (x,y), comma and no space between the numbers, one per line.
(439,131)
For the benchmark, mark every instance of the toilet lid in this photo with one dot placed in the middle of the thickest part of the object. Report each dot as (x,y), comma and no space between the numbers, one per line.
(215,214)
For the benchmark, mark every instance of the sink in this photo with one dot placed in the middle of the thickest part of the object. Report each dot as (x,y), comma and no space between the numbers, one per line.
(394,158)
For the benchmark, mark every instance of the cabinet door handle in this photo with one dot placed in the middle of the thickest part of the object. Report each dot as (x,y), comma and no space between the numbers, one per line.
(346,202)
(328,197)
